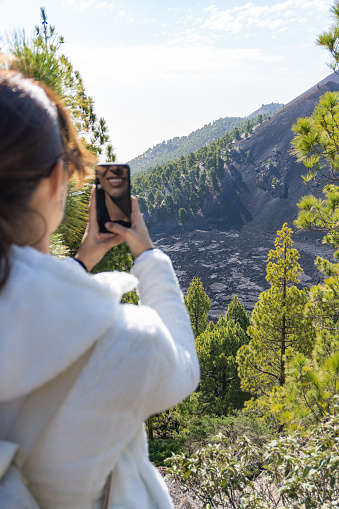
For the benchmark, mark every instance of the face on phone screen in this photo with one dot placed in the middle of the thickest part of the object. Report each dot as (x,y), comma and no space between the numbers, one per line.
(113,194)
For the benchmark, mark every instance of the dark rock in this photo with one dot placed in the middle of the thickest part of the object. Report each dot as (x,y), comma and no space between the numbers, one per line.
(231,262)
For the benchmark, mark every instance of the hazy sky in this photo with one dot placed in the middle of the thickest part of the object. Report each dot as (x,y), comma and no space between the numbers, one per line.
(157,69)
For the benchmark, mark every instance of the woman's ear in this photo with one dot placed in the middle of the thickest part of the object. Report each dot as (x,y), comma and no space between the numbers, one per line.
(57,180)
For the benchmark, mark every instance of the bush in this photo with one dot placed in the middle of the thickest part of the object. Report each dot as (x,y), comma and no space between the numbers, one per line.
(217,474)
(201,430)
(294,471)
(159,450)
(306,468)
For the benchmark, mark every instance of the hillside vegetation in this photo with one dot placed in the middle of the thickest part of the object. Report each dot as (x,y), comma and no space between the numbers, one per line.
(181,146)
(248,176)
(178,189)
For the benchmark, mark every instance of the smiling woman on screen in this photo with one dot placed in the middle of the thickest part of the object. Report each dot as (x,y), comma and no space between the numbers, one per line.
(113,186)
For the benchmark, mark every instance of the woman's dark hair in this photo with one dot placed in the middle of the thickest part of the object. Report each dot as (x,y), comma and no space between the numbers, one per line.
(35,131)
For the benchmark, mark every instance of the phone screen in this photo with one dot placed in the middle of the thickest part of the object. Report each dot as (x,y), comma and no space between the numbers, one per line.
(113,194)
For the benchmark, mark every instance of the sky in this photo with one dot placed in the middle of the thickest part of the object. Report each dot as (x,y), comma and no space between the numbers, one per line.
(157,69)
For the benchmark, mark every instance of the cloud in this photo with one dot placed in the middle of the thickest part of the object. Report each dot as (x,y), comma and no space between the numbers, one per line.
(189,37)
(148,94)
(101,5)
(85,5)
(162,63)
(276,18)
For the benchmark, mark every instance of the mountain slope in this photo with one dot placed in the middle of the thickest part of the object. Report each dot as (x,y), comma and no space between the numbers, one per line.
(265,177)
(230,225)
(236,181)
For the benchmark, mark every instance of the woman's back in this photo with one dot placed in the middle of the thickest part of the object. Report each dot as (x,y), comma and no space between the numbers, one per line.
(134,371)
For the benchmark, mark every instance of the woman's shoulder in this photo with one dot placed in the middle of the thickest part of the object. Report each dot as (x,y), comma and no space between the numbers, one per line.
(43,268)
(50,313)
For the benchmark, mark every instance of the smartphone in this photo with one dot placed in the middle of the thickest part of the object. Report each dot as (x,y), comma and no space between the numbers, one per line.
(113,194)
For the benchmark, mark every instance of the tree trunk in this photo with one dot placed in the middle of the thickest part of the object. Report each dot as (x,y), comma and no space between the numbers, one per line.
(282,377)
(150,428)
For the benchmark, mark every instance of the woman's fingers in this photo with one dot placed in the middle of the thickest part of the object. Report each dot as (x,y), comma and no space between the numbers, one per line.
(137,237)
(116,231)
(95,244)
(92,213)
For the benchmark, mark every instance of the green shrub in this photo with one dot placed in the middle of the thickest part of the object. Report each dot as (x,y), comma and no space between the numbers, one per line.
(219,473)
(159,450)
(293,471)
(202,429)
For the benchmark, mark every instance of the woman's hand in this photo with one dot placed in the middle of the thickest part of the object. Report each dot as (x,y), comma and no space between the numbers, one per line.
(94,245)
(137,237)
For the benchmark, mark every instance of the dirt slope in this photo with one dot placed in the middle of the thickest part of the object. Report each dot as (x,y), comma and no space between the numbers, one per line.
(264,184)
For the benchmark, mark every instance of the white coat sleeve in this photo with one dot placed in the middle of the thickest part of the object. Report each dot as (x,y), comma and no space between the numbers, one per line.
(175,366)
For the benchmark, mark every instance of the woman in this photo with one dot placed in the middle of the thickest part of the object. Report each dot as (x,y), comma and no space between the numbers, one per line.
(52,311)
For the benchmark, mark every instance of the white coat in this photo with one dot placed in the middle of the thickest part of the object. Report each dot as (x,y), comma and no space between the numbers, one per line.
(144,361)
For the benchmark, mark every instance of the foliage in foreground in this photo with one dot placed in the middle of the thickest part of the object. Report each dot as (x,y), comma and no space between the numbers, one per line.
(40,57)
(293,471)
(191,431)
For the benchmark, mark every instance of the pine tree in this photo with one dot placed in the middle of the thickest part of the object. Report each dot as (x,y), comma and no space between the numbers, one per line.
(317,137)
(41,58)
(158,198)
(150,199)
(194,201)
(142,204)
(219,389)
(163,212)
(279,321)
(182,215)
(316,140)
(329,39)
(213,179)
(311,388)
(169,204)
(316,144)
(236,134)
(198,305)
(236,312)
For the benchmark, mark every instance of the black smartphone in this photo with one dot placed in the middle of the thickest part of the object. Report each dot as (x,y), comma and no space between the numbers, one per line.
(113,194)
